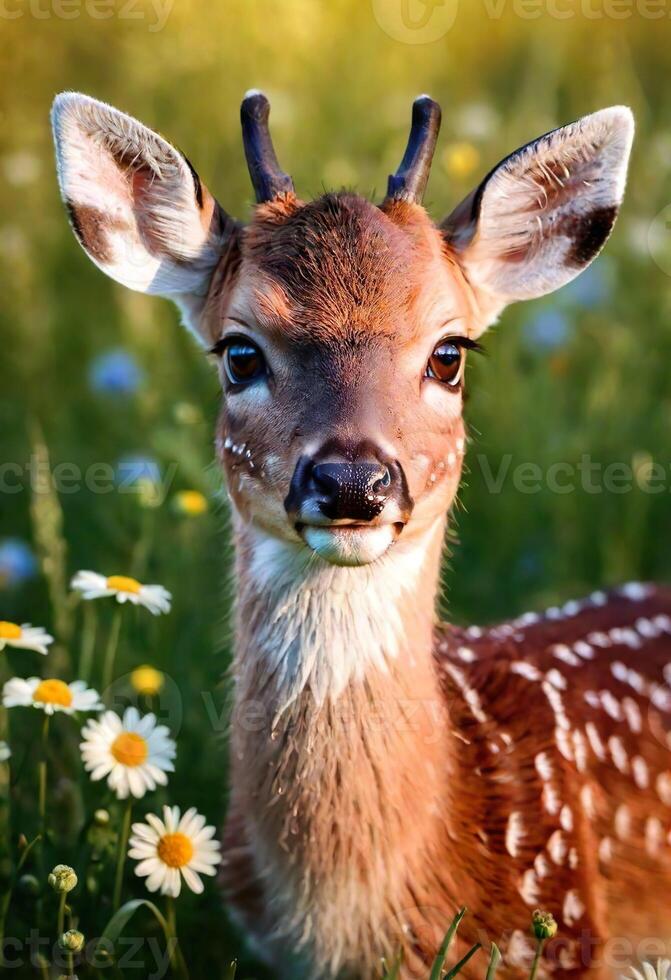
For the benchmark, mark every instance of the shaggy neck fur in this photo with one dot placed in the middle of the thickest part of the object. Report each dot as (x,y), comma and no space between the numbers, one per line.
(342,776)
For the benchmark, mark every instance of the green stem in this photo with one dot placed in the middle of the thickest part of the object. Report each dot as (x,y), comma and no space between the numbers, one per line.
(176,958)
(62,908)
(60,925)
(110,655)
(5,858)
(42,777)
(89,630)
(537,959)
(121,854)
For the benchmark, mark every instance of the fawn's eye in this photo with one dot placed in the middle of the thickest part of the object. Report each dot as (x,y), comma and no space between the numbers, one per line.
(243,361)
(446,363)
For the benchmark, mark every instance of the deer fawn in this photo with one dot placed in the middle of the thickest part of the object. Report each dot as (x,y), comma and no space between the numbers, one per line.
(386,768)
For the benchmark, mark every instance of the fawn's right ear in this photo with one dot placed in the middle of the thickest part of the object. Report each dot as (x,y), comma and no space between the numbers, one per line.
(544,213)
(136,205)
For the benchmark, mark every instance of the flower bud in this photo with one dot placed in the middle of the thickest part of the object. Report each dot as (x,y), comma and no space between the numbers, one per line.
(29,885)
(72,941)
(543,925)
(62,878)
(101,818)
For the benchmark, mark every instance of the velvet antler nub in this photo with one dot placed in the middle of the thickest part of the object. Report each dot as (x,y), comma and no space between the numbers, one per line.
(409,181)
(268,179)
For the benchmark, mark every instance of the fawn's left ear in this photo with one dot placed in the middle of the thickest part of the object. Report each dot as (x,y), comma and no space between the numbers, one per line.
(136,205)
(541,216)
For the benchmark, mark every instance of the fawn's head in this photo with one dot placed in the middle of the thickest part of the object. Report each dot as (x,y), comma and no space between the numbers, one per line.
(341,327)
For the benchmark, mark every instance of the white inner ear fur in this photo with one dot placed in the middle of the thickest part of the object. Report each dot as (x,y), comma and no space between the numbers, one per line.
(545,212)
(136,207)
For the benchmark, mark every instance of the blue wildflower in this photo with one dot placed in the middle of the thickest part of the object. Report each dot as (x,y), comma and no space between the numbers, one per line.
(592,287)
(548,329)
(115,372)
(17,563)
(134,469)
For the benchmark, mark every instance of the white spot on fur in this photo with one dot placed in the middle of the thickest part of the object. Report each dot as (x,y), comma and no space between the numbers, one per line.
(640,772)
(566,818)
(654,836)
(556,679)
(573,908)
(565,654)
(632,714)
(557,847)
(515,833)
(525,670)
(663,787)
(542,866)
(466,654)
(595,741)
(605,850)
(618,753)
(544,767)
(622,822)
(530,888)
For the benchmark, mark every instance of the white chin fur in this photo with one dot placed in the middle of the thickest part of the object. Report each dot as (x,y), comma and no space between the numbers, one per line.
(350,546)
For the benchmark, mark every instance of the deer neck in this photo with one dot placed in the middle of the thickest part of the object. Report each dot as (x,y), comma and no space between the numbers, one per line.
(339,753)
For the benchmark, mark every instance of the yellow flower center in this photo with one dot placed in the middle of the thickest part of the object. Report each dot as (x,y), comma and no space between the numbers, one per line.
(122,583)
(9,631)
(146,680)
(129,748)
(53,692)
(191,502)
(175,850)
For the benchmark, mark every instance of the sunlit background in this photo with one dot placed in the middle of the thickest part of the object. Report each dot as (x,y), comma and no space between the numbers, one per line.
(92,374)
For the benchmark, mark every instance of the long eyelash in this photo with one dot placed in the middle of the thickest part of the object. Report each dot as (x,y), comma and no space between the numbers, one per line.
(220,346)
(469,344)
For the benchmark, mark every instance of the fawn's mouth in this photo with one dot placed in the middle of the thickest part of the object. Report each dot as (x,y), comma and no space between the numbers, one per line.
(348,542)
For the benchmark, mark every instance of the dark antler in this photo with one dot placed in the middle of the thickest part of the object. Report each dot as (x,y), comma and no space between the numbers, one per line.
(267,178)
(409,181)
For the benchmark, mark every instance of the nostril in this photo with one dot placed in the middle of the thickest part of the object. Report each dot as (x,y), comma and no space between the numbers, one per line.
(325,477)
(383,482)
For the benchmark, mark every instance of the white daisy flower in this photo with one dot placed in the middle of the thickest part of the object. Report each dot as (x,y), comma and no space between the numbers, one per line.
(26,637)
(173,847)
(133,752)
(94,586)
(650,972)
(50,695)
(5,752)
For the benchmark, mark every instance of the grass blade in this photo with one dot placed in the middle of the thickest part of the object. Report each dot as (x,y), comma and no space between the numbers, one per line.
(395,971)
(232,970)
(494,960)
(462,962)
(439,962)
(120,920)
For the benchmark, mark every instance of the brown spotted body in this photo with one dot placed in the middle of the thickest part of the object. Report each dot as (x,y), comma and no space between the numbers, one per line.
(385,771)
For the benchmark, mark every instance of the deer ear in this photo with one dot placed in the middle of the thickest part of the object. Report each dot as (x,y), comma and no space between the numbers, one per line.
(541,216)
(136,205)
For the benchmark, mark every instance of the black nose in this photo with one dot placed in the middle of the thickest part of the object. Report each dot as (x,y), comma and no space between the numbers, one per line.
(355,491)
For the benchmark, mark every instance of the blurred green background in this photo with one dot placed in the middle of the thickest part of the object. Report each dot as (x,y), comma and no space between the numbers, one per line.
(96,374)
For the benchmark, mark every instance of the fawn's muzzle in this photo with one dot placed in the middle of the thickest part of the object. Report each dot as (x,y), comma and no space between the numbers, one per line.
(349,506)
(338,487)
